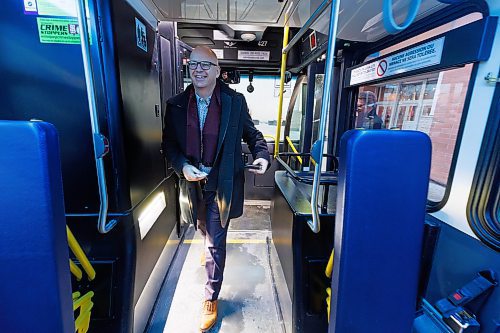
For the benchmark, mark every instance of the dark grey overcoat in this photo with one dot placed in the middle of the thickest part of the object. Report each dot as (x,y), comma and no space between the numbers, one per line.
(235,125)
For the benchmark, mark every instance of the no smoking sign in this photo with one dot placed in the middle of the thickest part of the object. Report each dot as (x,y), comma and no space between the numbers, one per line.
(381,68)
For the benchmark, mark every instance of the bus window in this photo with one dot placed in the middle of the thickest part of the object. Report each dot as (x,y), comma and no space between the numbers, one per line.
(432,103)
(298,115)
(263,101)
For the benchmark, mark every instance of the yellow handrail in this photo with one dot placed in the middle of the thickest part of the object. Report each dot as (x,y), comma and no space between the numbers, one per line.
(293,148)
(328,273)
(270,136)
(83,300)
(282,87)
(80,255)
(77,272)
(82,322)
(329,266)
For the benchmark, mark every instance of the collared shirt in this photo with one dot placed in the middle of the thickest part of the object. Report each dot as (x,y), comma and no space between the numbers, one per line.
(202,104)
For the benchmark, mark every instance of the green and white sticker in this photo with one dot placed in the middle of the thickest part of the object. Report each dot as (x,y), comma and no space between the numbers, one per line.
(57,7)
(58,30)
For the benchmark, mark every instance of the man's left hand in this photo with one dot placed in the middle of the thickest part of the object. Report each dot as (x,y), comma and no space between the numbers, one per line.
(263,163)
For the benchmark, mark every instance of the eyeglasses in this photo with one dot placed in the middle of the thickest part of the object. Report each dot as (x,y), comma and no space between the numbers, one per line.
(205,65)
(362,106)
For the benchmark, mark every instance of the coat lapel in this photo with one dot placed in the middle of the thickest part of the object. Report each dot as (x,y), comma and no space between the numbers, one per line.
(226,101)
(179,116)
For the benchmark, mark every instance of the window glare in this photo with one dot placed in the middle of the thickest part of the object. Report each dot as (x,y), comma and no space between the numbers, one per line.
(432,104)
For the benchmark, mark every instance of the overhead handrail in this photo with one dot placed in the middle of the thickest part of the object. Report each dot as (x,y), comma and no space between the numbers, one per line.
(324,5)
(314,223)
(388,16)
(80,255)
(101,145)
(282,88)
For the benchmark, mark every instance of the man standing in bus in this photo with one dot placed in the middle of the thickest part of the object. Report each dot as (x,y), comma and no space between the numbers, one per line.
(204,126)
(366,117)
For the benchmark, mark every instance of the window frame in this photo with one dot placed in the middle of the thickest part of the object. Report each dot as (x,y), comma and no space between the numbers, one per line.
(419,28)
(481,213)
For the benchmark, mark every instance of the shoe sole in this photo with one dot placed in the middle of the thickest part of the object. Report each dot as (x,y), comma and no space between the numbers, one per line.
(208,329)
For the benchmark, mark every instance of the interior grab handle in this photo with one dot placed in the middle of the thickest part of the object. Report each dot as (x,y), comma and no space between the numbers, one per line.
(388,16)
(101,145)
(317,150)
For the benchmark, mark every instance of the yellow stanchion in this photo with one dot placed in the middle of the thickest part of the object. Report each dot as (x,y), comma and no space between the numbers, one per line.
(329,266)
(328,300)
(293,149)
(80,255)
(75,270)
(328,273)
(282,87)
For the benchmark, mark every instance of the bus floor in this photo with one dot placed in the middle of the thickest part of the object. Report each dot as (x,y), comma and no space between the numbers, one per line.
(254,297)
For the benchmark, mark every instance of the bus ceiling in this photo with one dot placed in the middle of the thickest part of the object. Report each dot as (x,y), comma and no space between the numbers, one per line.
(248,35)
(360,21)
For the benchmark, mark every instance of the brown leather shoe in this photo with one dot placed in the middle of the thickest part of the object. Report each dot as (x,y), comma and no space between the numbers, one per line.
(209,315)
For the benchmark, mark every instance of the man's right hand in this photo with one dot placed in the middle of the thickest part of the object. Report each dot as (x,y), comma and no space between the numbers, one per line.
(192,173)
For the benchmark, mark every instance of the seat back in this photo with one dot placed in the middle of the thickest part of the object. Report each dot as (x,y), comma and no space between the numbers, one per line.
(381,204)
(35,288)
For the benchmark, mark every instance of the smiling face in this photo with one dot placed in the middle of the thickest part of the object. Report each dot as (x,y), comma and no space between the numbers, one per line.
(204,78)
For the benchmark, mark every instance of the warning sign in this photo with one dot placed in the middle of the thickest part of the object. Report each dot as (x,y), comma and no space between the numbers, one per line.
(140,35)
(58,30)
(417,57)
(381,68)
(254,55)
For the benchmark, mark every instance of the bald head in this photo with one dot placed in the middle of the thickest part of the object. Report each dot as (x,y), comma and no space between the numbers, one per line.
(204,70)
(204,53)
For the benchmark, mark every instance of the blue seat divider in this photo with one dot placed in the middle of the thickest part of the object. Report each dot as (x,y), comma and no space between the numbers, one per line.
(35,285)
(382,194)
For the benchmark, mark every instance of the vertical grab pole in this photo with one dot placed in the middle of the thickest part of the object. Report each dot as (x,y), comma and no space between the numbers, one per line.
(314,224)
(100,142)
(282,87)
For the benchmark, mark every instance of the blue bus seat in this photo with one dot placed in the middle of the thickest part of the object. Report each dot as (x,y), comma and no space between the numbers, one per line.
(381,205)
(35,288)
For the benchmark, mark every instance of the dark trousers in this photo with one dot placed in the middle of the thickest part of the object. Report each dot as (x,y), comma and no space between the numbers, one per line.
(215,247)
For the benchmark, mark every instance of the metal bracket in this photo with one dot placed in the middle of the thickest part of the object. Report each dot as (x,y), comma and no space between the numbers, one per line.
(491,79)
(101,145)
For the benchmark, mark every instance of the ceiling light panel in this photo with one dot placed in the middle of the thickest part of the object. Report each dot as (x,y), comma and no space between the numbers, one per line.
(232,11)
